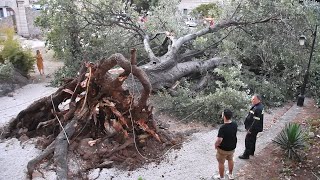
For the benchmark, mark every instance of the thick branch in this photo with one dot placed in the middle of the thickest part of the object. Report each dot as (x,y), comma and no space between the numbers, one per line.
(190,54)
(169,77)
(183,69)
(217,27)
(202,83)
(148,49)
(107,64)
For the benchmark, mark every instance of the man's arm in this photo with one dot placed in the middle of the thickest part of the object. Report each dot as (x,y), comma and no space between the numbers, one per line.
(218,142)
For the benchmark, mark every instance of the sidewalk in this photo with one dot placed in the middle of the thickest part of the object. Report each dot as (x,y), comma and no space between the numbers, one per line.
(195,160)
(268,135)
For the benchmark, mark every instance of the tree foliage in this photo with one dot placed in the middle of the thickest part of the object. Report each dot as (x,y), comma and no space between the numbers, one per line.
(260,35)
(271,52)
(206,106)
(143,5)
(207,10)
(13,55)
(63,28)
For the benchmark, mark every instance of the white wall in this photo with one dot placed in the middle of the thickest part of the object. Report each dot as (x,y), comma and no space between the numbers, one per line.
(5,13)
(188,5)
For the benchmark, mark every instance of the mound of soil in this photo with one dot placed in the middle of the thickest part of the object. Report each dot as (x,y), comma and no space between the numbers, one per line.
(10,84)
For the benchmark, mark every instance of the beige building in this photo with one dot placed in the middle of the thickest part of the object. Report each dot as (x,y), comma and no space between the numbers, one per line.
(16,8)
(186,6)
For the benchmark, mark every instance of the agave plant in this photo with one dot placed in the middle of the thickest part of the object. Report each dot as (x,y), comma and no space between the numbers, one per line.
(291,139)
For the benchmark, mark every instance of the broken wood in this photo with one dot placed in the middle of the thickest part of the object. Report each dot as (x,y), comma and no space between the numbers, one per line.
(99,107)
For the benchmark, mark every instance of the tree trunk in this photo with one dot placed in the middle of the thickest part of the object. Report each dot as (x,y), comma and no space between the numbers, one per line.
(163,77)
(164,71)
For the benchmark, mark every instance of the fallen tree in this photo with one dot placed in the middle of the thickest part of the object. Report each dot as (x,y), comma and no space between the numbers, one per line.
(171,50)
(93,109)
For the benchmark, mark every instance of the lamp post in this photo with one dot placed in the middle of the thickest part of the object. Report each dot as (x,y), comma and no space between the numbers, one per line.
(302,38)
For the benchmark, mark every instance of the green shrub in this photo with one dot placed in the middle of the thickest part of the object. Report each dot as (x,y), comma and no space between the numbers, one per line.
(11,50)
(62,73)
(315,82)
(208,105)
(273,93)
(291,139)
(23,61)
(6,70)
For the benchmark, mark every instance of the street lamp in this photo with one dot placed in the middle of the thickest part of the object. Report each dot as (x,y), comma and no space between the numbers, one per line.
(302,39)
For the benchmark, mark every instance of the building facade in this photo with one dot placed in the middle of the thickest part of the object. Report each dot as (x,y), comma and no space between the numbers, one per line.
(5,12)
(15,9)
(186,6)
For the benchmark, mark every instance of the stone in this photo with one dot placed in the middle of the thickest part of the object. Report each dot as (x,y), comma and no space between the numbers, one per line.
(10,94)
(23,138)
(37,174)
(315,122)
(311,134)
(106,164)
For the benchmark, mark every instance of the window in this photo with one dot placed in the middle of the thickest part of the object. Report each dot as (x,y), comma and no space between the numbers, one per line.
(185,11)
(1,13)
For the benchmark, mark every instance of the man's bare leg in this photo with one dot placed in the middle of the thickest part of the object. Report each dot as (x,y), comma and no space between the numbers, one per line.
(221,169)
(230,166)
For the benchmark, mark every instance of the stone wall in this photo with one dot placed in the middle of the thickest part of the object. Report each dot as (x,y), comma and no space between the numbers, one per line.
(7,22)
(34,31)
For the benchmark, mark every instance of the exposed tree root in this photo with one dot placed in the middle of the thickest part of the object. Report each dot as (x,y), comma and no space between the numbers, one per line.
(101,119)
(61,150)
(32,164)
(123,146)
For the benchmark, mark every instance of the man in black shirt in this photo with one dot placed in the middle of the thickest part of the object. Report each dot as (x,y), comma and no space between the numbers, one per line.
(253,124)
(226,143)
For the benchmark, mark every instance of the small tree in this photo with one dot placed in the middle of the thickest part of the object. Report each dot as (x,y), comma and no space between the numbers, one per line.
(11,50)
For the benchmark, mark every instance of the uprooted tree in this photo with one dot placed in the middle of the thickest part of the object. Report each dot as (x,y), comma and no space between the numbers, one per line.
(171,50)
(175,61)
(93,105)
(166,42)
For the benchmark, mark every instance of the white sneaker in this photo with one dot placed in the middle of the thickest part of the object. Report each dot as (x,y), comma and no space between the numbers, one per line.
(217,177)
(230,176)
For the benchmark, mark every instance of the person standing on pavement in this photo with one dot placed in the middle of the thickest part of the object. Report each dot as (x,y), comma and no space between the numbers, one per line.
(226,144)
(253,124)
(39,62)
